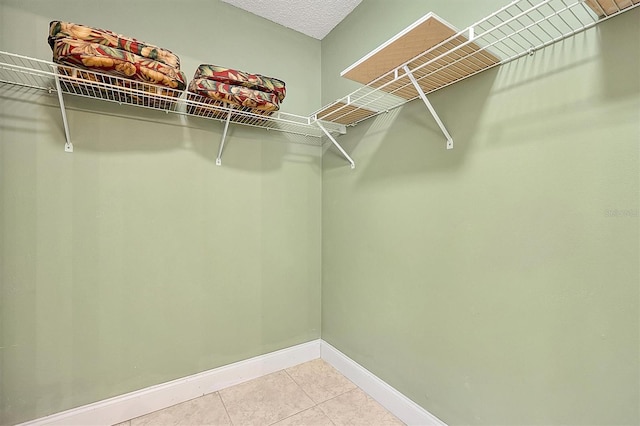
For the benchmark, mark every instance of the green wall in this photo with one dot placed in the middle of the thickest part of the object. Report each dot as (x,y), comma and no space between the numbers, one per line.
(496,283)
(493,284)
(136,260)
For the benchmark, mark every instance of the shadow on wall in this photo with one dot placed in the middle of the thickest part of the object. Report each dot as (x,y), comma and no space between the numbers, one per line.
(105,127)
(408,141)
(620,62)
(526,99)
(243,149)
(561,87)
(15,119)
(108,128)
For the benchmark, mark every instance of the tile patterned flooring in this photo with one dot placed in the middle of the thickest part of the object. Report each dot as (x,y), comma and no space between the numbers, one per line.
(313,393)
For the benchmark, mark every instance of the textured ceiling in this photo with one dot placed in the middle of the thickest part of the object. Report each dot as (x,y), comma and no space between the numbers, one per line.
(315,18)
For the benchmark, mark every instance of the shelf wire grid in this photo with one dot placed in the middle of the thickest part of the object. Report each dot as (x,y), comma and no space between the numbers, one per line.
(19,73)
(516,30)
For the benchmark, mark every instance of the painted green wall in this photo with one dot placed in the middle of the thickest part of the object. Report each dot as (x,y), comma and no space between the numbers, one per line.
(136,260)
(493,284)
(496,283)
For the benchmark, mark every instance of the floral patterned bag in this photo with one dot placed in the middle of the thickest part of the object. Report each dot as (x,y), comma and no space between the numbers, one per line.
(235,95)
(60,29)
(241,78)
(118,62)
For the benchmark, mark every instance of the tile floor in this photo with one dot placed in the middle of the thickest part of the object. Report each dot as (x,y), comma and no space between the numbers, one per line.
(313,393)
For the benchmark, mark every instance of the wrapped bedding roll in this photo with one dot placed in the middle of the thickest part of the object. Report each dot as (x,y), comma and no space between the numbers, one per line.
(61,29)
(254,100)
(104,59)
(241,78)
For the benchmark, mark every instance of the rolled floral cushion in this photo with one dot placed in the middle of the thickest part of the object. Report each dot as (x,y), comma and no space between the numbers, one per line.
(241,78)
(118,62)
(235,95)
(60,29)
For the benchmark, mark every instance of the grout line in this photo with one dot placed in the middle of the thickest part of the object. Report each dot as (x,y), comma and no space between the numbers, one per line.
(325,413)
(333,397)
(288,417)
(301,388)
(315,404)
(344,393)
(225,408)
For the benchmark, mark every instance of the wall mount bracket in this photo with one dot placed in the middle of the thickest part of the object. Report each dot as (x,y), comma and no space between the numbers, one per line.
(68,146)
(336,144)
(224,137)
(429,106)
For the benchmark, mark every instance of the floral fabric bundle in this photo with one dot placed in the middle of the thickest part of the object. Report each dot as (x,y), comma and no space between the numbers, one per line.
(118,62)
(241,78)
(227,87)
(104,52)
(236,95)
(60,29)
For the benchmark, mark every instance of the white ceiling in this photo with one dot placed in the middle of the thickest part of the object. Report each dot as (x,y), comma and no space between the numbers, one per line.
(315,18)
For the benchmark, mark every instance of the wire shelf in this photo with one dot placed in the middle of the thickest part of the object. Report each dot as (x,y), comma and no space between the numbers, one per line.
(516,30)
(19,73)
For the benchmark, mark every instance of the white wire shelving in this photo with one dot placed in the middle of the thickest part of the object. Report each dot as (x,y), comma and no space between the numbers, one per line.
(19,73)
(520,28)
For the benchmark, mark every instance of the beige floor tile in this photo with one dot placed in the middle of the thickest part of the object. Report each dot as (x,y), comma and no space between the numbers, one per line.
(127,423)
(357,408)
(265,400)
(320,380)
(311,417)
(206,410)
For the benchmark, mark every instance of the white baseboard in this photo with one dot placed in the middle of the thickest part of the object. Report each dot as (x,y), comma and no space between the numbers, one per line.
(138,403)
(128,406)
(398,404)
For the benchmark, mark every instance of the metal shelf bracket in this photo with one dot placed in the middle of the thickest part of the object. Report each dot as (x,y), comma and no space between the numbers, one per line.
(429,106)
(224,137)
(68,146)
(336,144)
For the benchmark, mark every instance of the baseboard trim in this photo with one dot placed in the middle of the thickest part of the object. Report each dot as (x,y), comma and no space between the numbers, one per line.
(398,404)
(134,404)
(138,403)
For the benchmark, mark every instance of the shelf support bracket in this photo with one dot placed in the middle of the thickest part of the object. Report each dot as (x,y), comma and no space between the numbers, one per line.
(429,106)
(224,137)
(336,144)
(68,146)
